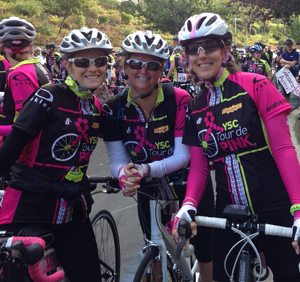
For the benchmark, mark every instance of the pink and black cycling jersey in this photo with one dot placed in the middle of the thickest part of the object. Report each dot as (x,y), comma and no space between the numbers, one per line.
(51,171)
(23,79)
(256,66)
(50,61)
(144,141)
(4,66)
(228,125)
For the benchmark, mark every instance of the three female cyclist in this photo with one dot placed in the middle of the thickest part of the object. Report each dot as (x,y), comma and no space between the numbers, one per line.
(239,122)
(55,135)
(142,128)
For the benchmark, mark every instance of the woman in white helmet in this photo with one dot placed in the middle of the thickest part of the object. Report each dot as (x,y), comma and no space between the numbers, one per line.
(25,74)
(239,123)
(143,127)
(59,129)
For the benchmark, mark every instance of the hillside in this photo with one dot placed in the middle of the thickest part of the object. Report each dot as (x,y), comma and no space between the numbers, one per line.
(54,19)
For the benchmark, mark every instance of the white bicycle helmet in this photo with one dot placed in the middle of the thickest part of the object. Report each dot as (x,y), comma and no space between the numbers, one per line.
(84,39)
(15,28)
(205,25)
(145,42)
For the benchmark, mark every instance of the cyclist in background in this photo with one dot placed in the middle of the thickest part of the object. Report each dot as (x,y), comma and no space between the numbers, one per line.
(38,53)
(55,135)
(110,65)
(246,57)
(270,52)
(278,58)
(178,67)
(264,54)
(175,41)
(236,55)
(51,59)
(255,161)
(44,55)
(119,67)
(256,64)
(63,72)
(26,73)
(145,124)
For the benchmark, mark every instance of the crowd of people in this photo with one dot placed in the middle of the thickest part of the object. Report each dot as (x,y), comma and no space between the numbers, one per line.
(237,125)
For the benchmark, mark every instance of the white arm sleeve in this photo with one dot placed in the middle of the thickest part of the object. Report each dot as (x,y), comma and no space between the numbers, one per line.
(178,160)
(117,156)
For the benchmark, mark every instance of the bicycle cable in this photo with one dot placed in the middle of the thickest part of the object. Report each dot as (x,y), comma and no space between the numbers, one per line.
(248,240)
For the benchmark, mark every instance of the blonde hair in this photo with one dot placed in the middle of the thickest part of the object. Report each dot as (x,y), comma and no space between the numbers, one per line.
(19,57)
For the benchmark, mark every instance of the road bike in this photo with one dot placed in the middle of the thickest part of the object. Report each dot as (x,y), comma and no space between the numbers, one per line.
(161,251)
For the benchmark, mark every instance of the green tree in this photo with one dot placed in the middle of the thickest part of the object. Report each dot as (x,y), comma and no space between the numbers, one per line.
(280,9)
(293,30)
(65,8)
(170,15)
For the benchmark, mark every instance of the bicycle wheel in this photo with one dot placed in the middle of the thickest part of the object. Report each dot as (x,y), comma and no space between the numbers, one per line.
(150,268)
(107,239)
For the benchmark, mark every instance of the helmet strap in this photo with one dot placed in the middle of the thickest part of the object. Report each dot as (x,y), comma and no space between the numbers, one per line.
(140,95)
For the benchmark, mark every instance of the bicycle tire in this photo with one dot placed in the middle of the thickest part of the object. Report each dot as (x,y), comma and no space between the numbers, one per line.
(145,268)
(107,238)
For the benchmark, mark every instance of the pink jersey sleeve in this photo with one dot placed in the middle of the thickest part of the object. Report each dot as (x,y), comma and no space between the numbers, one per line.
(198,176)
(182,100)
(285,156)
(267,98)
(22,81)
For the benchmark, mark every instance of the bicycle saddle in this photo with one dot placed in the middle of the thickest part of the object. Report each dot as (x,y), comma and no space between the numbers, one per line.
(38,231)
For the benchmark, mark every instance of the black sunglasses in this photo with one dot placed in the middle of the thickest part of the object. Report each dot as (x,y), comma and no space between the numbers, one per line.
(83,62)
(138,64)
(206,46)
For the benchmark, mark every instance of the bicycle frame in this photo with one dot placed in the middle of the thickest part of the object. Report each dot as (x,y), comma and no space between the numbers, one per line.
(161,239)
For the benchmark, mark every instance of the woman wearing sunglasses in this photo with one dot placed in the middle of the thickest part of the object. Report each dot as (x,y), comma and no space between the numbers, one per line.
(145,124)
(239,123)
(25,73)
(256,64)
(55,135)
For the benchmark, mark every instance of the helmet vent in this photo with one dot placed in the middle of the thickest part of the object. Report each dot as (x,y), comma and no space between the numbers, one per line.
(159,44)
(99,37)
(200,22)
(211,20)
(75,38)
(138,40)
(189,26)
(150,41)
(127,42)
(88,35)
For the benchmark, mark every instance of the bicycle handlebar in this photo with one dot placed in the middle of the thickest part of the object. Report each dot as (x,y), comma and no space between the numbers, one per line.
(34,270)
(223,223)
(112,184)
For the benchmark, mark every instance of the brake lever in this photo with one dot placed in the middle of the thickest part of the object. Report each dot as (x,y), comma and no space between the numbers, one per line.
(184,232)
